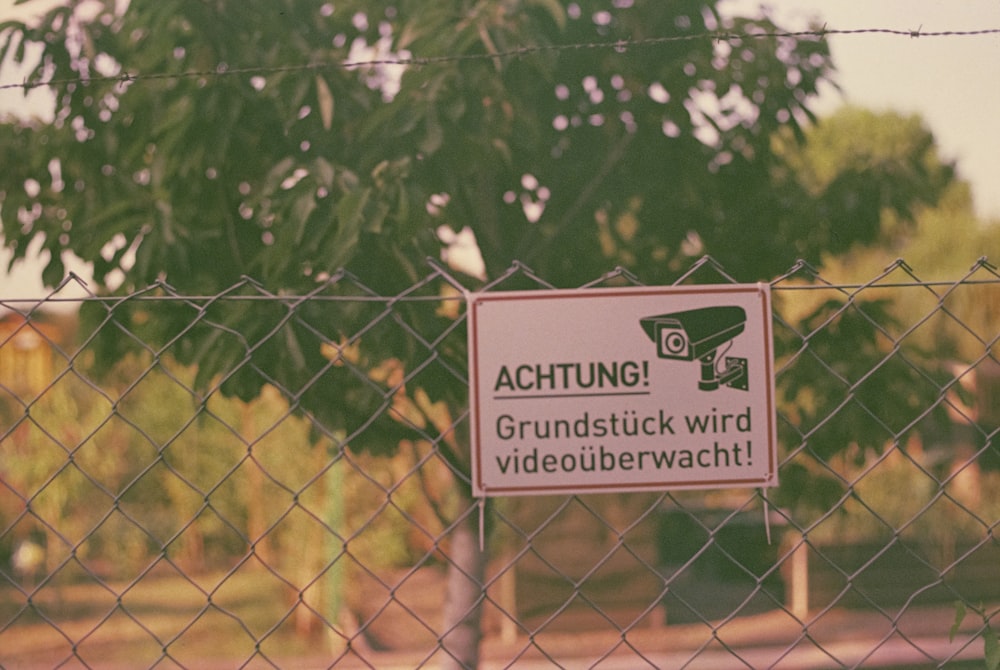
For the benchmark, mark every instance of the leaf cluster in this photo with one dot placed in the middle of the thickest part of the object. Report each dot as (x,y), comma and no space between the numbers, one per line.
(849,388)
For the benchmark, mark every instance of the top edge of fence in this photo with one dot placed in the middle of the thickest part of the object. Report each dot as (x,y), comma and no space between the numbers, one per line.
(800,278)
(11,303)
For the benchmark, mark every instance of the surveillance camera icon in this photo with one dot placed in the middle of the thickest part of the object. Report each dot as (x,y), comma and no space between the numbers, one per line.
(697,334)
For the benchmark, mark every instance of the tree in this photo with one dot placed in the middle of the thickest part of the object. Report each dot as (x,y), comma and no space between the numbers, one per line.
(920,211)
(867,369)
(196,143)
(302,170)
(870,175)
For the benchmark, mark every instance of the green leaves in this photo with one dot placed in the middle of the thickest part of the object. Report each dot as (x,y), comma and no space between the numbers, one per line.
(862,178)
(960,612)
(217,148)
(326,103)
(991,645)
(850,387)
(350,221)
(554,9)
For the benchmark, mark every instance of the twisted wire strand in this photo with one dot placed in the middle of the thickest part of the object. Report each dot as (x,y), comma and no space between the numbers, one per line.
(519,52)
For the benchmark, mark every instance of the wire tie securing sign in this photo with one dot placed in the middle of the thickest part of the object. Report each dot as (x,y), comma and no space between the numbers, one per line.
(482,524)
(767,515)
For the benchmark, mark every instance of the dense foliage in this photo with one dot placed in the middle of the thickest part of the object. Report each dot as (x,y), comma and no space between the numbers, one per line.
(273,161)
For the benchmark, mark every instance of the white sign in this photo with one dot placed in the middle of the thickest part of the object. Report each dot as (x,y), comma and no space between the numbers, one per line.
(610,390)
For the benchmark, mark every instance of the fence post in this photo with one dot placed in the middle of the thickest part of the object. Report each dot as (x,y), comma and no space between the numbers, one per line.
(798,576)
(508,600)
(464,600)
(333,512)
(257,536)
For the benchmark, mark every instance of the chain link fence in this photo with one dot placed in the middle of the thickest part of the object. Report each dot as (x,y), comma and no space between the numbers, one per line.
(249,479)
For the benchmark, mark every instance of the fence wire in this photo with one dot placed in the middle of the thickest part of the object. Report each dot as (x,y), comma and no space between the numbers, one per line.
(253,479)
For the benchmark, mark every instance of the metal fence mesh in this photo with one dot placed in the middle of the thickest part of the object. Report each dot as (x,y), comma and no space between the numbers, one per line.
(241,480)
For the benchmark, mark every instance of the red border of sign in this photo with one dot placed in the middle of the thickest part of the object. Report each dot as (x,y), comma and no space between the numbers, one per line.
(474,300)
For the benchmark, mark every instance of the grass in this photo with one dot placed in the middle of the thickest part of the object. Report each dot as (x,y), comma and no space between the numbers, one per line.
(219,617)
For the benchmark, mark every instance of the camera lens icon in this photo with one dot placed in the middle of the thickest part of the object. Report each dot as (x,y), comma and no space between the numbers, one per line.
(673,343)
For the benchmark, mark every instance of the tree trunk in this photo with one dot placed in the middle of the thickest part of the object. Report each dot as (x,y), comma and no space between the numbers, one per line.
(257,536)
(464,600)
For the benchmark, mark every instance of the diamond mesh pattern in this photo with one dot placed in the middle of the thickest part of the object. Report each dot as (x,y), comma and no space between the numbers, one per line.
(260,480)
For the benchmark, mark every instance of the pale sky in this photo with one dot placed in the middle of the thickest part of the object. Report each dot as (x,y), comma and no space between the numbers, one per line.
(952,82)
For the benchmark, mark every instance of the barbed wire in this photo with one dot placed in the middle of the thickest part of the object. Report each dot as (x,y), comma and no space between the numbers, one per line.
(519,52)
